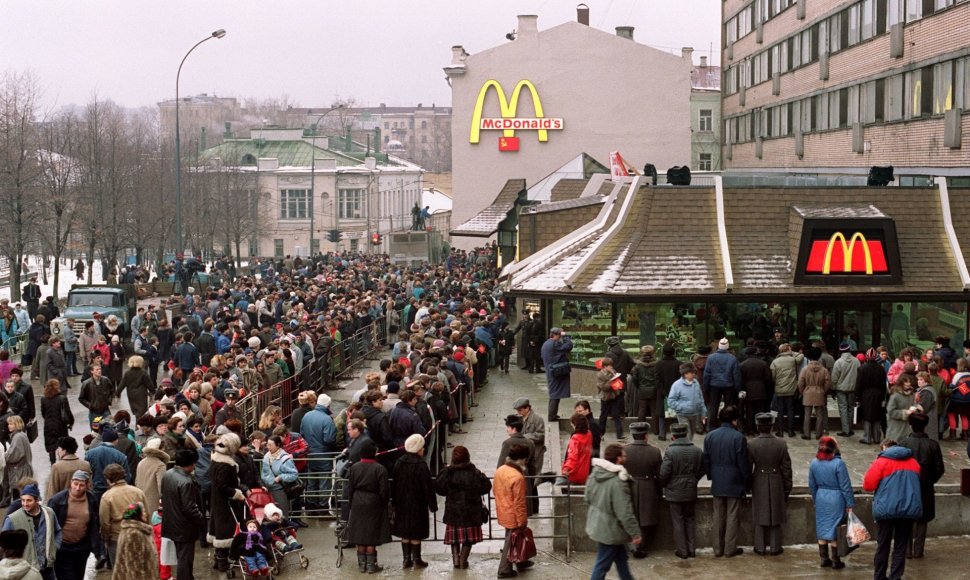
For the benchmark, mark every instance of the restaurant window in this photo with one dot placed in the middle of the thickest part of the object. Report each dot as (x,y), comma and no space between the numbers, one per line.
(917,324)
(753,322)
(685,326)
(588,323)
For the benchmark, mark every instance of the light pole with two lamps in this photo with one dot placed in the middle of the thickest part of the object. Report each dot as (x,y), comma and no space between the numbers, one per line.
(180,245)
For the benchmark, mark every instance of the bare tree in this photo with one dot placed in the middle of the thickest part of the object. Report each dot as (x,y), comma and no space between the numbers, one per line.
(19,170)
(60,177)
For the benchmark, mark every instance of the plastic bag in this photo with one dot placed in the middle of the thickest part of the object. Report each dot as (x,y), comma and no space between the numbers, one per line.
(522,546)
(856,533)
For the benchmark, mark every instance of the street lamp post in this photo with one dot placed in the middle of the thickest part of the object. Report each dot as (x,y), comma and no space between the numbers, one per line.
(313,172)
(180,243)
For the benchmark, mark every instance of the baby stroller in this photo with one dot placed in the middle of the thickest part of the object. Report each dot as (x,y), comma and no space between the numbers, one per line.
(237,555)
(259,503)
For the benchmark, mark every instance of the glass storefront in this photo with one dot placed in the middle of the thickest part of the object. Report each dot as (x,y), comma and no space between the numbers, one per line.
(689,325)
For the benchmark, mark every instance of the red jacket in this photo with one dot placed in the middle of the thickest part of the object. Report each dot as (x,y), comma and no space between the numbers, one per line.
(579,453)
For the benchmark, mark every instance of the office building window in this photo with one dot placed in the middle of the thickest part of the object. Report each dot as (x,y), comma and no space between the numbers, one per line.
(350,203)
(942,87)
(835,33)
(704,162)
(896,12)
(295,204)
(918,93)
(914,10)
(853,18)
(894,98)
(706,121)
(852,105)
(868,19)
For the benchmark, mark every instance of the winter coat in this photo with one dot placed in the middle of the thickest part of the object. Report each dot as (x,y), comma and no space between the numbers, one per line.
(845,373)
(58,420)
(552,352)
(644,379)
(412,495)
(404,422)
(927,453)
(18,569)
(281,466)
(722,371)
(604,377)
(377,427)
(687,399)
(726,461)
(18,458)
(518,439)
(136,547)
(96,396)
(140,389)
(643,463)
(831,488)
(610,518)
(62,471)
(114,502)
(579,452)
(897,419)
(225,500)
(58,504)
(756,379)
(784,372)
(926,398)
(148,476)
(771,479)
(317,428)
(57,366)
(101,457)
(26,391)
(871,391)
(463,487)
(894,479)
(182,496)
(668,372)
(186,357)
(814,383)
(369,491)
(509,488)
(681,469)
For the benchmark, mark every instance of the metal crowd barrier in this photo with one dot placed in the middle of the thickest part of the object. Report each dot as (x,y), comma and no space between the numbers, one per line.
(15,345)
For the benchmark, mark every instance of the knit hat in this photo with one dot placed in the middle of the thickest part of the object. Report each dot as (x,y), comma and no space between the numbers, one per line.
(323,400)
(270,510)
(109,435)
(414,443)
(844,346)
(154,443)
(253,342)
(668,349)
(32,490)
(723,344)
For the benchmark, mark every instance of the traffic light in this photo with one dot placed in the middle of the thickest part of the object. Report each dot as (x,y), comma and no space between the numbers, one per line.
(375,239)
(333,235)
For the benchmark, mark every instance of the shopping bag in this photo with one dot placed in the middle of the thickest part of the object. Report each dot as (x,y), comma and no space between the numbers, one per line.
(856,532)
(522,546)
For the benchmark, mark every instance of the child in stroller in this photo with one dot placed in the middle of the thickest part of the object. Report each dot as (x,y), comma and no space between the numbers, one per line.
(249,546)
(281,532)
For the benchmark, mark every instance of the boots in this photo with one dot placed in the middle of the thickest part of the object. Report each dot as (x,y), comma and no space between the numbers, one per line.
(466,549)
(456,556)
(823,552)
(222,564)
(406,550)
(837,563)
(416,554)
(372,566)
(362,561)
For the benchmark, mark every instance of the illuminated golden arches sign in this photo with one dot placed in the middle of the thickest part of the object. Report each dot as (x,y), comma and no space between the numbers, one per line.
(508,122)
(855,256)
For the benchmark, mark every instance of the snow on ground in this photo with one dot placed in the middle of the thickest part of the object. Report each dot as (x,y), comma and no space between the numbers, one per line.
(67,279)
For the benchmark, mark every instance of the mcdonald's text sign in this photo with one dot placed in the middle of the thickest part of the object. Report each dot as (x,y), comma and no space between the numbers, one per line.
(846,251)
(509,122)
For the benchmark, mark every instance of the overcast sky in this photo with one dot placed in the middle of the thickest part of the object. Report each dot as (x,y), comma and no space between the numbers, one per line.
(373,51)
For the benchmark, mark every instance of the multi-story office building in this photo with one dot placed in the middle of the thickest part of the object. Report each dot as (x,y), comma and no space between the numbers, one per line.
(810,85)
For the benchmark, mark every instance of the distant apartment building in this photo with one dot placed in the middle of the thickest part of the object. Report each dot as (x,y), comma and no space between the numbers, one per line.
(815,84)
(705,115)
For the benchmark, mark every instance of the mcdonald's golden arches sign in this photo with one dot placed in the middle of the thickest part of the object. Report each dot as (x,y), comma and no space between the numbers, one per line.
(863,251)
(508,122)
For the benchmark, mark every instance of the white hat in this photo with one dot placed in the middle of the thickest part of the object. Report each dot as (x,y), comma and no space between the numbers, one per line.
(271,509)
(723,344)
(323,400)
(253,342)
(414,443)
(154,443)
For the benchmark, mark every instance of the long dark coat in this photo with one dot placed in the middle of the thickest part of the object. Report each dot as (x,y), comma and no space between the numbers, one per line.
(643,464)
(413,497)
(139,386)
(871,391)
(927,453)
(224,512)
(54,411)
(463,487)
(552,352)
(771,479)
(369,491)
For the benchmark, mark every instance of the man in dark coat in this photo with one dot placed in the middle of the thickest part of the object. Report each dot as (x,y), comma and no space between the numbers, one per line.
(513,426)
(682,468)
(556,351)
(534,335)
(755,386)
(726,464)
(183,509)
(668,373)
(722,379)
(927,453)
(643,464)
(57,364)
(771,483)
(72,556)
(31,295)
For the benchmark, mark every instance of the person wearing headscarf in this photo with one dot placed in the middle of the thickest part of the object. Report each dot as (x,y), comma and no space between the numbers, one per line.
(136,547)
(831,488)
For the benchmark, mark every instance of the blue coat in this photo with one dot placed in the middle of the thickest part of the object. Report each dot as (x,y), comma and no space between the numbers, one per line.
(722,371)
(187,356)
(552,352)
(100,457)
(318,430)
(686,398)
(283,466)
(894,480)
(832,493)
(404,422)
(726,461)
(483,336)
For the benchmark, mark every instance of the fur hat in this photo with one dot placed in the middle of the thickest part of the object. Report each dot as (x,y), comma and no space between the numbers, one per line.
(228,444)
(154,443)
(414,443)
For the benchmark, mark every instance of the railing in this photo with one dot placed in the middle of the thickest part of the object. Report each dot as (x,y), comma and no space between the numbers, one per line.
(15,345)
